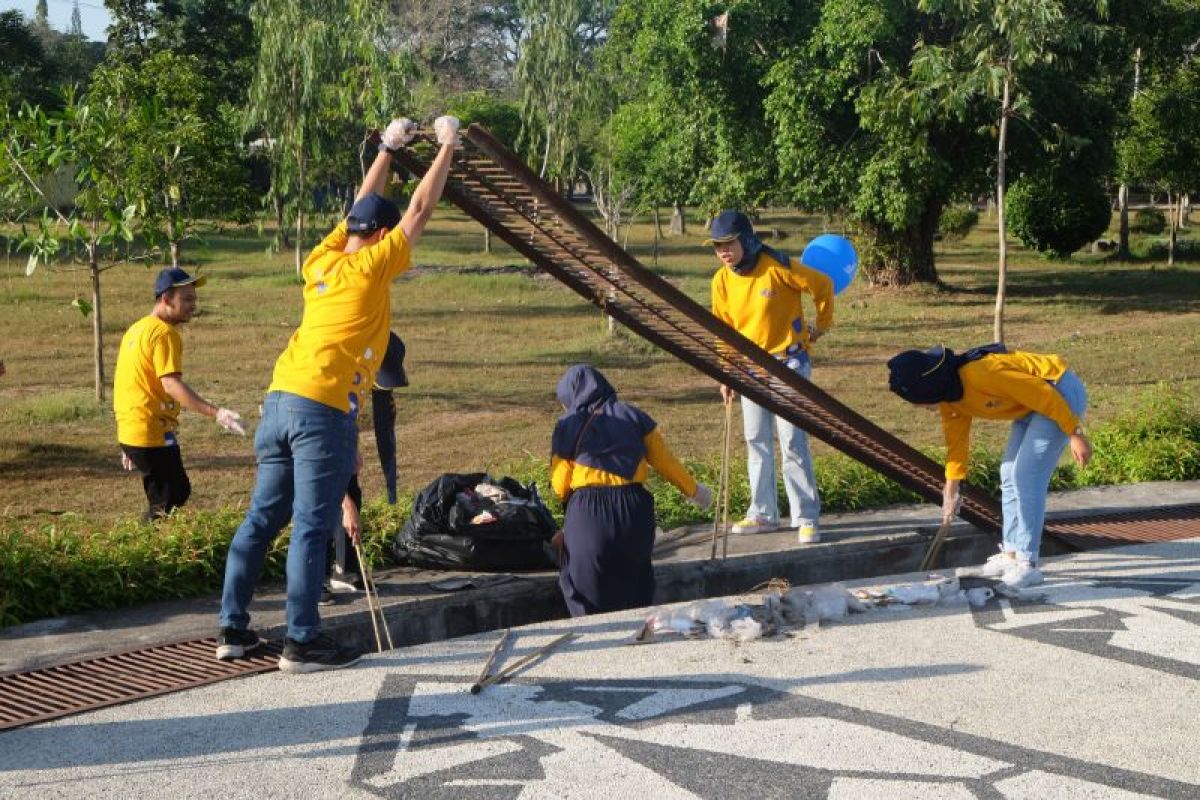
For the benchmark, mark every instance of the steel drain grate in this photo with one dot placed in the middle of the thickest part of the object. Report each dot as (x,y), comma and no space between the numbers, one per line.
(45,694)
(1128,527)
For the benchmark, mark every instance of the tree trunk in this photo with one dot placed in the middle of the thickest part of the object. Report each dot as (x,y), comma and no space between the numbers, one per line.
(1123,237)
(657,234)
(487,240)
(1174,217)
(300,192)
(900,258)
(1002,270)
(97,323)
(678,222)
(1185,206)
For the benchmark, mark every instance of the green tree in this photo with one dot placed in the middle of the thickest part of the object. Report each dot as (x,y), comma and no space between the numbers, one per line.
(182,161)
(997,45)
(1154,35)
(1162,145)
(691,124)
(80,140)
(186,27)
(26,72)
(319,64)
(854,139)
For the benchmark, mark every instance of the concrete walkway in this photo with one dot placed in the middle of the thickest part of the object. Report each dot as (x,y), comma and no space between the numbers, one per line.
(880,542)
(1090,694)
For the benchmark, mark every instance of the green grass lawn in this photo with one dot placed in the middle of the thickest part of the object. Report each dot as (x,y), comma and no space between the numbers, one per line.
(488,338)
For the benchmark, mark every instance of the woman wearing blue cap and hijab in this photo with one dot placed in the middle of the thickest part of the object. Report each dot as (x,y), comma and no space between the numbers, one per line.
(601,453)
(1045,400)
(759,291)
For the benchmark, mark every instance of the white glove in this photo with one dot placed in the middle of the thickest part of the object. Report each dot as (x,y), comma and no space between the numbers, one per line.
(951,502)
(398,133)
(446,129)
(126,462)
(230,421)
(703,497)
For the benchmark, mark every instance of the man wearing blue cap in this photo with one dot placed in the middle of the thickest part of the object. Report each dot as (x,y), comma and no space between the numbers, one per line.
(759,291)
(306,442)
(148,391)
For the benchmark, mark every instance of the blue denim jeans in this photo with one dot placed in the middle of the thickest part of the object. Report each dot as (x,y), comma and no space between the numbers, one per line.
(760,427)
(1034,446)
(305,452)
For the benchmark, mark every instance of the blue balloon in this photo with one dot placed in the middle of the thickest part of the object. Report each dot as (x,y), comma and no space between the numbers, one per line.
(834,256)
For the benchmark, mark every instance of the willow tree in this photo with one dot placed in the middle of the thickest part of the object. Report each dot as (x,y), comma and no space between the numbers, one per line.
(557,79)
(321,64)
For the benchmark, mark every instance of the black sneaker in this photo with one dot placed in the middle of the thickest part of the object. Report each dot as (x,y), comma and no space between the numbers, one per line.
(236,642)
(320,654)
(326,598)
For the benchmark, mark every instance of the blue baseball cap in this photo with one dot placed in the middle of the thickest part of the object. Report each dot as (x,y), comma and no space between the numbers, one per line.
(372,212)
(173,278)
(727,226)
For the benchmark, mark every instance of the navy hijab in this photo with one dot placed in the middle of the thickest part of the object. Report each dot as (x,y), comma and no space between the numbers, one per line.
(612,431)
(931,376)
(736,225)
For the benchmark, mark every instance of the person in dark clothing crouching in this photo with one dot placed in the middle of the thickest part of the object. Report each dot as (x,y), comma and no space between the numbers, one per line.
(601,453)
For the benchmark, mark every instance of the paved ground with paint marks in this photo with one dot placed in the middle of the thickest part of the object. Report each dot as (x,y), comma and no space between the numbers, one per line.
(1090,694)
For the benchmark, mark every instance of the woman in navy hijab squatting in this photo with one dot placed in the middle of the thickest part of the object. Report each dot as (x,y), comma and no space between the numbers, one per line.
(601,453)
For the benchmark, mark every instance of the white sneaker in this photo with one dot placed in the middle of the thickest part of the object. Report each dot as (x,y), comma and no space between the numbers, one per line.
(997,565)
(345,583)
(1021,575)
(755,525)
(807,533)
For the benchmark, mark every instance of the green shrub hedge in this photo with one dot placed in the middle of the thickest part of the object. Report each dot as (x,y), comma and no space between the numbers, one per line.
(1148,220)
(956,222)
(68,568)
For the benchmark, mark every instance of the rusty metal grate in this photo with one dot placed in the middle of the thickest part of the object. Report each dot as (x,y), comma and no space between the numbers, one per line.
(496,188)
(1128,527)
(45,694)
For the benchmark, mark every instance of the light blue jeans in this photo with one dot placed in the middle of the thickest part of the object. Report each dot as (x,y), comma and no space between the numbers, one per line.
(1034,446)
(305,452)
(760,427)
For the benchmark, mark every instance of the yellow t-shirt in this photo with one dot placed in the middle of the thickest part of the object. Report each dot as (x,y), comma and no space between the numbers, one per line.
(567,476)
(146,415)
(1002,386)
(333,356)
(764,304)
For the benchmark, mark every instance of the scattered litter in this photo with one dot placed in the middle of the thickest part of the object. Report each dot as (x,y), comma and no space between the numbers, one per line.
(745,629)
(785,608)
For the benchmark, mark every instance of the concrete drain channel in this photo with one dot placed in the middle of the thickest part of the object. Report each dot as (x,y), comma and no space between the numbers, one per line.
(48,693)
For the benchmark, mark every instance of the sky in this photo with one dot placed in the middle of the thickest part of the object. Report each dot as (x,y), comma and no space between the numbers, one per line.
(93,14)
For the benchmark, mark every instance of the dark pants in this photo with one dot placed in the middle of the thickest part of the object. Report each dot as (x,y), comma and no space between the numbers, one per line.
(342,556)
(163,477)
(608,538)
(383,415)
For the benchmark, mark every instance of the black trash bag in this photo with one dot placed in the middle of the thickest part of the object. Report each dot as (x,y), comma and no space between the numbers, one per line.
(452,526)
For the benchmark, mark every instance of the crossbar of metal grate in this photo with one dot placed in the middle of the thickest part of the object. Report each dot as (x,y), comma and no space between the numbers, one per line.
(1169,523)
(495,187)
(44,694)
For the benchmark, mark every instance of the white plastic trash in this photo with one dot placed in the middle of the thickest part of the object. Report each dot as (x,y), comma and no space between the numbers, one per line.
(745,629)
(914,594)
(979,596)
